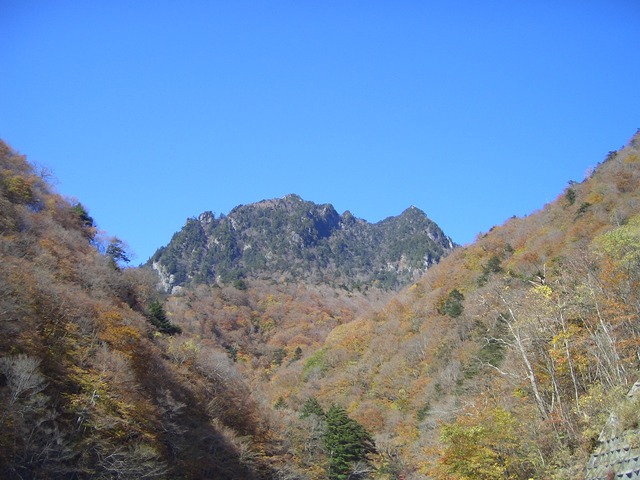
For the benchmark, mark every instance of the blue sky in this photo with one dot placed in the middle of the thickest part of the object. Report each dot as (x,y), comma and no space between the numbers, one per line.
(153,112)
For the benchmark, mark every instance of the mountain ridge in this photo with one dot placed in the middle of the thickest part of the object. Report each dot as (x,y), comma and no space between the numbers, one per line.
(290,238)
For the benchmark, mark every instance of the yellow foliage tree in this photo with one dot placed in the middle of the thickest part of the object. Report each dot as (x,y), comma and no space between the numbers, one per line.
(484,444)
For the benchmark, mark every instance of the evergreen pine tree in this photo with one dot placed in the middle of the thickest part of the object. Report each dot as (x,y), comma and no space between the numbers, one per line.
(116,252)
(347,442)
(280,403)
(159,319)
(297,354)
(452,305)
(312,407)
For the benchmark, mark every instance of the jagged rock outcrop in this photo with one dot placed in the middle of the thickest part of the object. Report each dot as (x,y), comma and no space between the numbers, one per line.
(292,239)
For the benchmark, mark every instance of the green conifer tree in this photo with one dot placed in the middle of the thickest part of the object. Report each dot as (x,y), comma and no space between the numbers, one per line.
(159,319)
(311,407)
(347,443)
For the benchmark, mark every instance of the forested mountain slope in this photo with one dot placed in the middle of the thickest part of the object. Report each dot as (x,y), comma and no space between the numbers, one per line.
(293,240)
(92,383)
(506,359)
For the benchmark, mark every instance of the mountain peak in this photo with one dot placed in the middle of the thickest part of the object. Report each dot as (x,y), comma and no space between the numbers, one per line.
(413,211)
(296,239)
(293,197)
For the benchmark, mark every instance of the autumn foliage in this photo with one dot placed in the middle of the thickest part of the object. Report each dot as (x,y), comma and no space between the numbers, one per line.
(504,361)
(89,388)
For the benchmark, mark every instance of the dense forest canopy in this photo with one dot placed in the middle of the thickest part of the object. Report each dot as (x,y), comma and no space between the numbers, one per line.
(510,358)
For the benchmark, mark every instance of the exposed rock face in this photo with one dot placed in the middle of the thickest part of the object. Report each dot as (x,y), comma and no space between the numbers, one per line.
(293,239)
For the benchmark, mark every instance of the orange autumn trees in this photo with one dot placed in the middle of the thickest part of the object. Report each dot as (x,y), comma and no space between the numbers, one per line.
(503,361)
(533,319)
(88,388)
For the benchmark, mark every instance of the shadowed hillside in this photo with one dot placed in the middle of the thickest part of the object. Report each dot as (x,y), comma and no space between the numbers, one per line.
(89,386)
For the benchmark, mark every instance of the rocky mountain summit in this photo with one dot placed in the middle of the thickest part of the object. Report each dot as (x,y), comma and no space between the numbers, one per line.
(290,239)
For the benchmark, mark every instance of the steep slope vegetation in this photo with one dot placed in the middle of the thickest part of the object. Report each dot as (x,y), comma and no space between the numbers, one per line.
(507,358)
(299,241)
(89,387)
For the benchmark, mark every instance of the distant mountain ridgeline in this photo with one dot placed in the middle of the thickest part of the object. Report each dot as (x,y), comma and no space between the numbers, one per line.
(293,239)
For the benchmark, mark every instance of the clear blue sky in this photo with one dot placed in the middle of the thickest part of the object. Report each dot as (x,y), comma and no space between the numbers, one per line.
(150,112)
